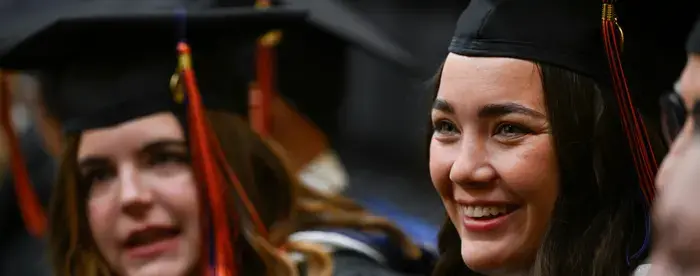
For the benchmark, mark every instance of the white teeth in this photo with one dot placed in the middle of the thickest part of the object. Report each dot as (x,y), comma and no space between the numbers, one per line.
(483,211)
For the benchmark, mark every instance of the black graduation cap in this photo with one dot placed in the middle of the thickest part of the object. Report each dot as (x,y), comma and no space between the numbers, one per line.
(90,34)
(562,33)
(584,36)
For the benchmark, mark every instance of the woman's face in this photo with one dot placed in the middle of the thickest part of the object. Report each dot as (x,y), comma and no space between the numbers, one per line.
(492,160)
(142,202)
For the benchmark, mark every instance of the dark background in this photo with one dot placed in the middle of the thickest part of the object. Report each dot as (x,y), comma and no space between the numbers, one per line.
(385,117)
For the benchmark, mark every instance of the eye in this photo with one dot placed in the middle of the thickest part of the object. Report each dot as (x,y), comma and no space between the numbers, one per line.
(167,158)
(511,131)
(444,127)
(98,175)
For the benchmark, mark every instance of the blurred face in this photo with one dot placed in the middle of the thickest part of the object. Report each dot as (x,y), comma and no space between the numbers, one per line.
(492,160)
(142,204)
(676,217)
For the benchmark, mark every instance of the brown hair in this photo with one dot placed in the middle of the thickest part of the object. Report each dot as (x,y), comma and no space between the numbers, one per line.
(283,204)
(599,216)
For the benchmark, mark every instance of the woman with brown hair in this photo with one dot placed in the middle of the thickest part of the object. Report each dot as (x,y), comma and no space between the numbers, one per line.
(541,159)
(157,178)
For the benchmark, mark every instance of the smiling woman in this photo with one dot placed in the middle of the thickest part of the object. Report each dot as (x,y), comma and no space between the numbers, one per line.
(528,150)
(493,142)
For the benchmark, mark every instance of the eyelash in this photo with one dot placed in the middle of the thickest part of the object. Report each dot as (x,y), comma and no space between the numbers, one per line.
(165,158)
(440,124)
(518,130)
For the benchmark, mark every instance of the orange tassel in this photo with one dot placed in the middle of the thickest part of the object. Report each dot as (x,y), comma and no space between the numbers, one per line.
(205,165)
(263,91)
(32,211)
(644,160)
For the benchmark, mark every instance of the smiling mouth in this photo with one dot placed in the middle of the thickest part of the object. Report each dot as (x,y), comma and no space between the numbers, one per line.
(476,212)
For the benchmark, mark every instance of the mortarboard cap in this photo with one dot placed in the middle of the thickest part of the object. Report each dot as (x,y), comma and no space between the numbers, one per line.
(311,56)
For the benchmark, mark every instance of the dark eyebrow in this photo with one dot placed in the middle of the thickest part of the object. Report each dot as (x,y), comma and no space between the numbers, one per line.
(491,110)
(164,143)
(442,105)
(497,110)
(101,160)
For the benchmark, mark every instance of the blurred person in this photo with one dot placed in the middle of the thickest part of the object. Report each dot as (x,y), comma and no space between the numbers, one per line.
(539,155)
(677,221)
(129,131)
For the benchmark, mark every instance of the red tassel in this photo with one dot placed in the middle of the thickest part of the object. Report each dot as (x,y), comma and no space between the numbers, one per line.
(644,160)
(264,91)
(250,208)
(31,209)
(205,165)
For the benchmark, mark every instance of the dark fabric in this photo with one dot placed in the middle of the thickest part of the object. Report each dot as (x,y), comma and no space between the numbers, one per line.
(693,44)
(21,253)
(392,252)
(350,263)
(562,33)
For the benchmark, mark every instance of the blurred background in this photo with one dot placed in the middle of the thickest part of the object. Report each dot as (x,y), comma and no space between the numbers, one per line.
(385,117)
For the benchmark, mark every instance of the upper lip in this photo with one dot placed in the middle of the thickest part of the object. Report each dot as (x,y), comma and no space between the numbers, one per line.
(477,202)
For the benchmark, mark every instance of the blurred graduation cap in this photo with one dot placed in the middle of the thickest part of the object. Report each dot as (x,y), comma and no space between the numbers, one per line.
(104,62)
(312,54)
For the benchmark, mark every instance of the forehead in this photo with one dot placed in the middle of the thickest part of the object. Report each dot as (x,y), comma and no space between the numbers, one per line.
(481,80)
(131,135)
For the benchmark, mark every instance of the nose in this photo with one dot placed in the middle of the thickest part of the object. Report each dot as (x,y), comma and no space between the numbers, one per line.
(135,196)
(471,166)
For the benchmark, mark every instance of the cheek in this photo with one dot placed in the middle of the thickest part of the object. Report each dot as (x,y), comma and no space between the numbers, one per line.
(102,216)
(441,159)
(530,169)
(181,196)
(440,163)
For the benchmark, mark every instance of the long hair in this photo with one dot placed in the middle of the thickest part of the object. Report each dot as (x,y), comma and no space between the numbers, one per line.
(599,219)
(283,204)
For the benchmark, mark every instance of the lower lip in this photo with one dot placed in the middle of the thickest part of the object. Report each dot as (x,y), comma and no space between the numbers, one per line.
(484,225)
(153,249)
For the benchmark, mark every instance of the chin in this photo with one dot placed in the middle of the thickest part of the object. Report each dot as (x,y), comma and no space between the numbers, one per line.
(484,257)
(162,267)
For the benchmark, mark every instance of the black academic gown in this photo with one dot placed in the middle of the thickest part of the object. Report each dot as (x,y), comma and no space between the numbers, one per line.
(21,253)
(357,253)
